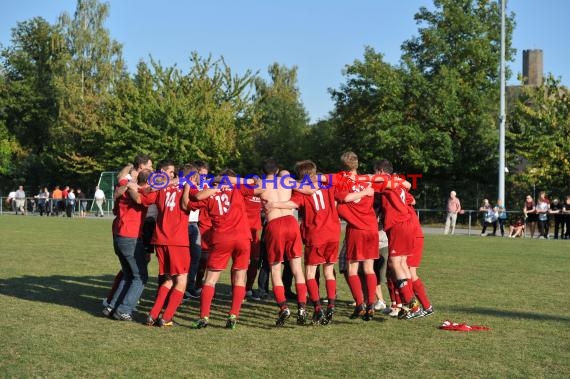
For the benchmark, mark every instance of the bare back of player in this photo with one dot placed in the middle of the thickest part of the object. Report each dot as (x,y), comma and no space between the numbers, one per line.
(282,238)
(278,188)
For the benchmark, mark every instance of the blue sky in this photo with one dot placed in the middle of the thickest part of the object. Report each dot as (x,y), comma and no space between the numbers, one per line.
(320,37)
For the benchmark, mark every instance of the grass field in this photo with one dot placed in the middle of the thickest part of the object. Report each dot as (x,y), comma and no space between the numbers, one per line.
(54,273)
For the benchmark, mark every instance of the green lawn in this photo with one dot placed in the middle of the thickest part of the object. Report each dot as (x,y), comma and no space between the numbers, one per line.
(55,271)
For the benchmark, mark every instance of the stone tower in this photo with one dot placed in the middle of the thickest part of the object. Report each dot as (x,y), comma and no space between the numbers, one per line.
(532,67)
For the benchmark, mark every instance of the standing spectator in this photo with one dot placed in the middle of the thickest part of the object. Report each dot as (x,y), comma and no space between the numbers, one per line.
(557,208)
(12,200)
(43,198)
(70,203)
(566,211)
(542,209)
(530,215)
(453,209)
(503,216)
(20,199)
(56,197)
(82,203)
(99,201)
(489,218)
(63,203)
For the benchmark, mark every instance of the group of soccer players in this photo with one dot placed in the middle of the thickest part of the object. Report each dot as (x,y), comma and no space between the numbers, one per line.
(230,215)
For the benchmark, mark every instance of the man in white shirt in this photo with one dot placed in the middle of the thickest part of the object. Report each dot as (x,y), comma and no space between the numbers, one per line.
(99,200)
(20,199)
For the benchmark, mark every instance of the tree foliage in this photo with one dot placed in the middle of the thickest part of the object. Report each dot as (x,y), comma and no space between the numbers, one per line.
(539,136)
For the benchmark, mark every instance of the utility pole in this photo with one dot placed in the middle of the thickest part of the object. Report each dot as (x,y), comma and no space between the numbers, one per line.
(502,115)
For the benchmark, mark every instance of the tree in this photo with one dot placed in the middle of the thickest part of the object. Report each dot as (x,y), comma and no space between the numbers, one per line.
(182,117)
(538,138)
(457,52)
(281,117)
(93,67)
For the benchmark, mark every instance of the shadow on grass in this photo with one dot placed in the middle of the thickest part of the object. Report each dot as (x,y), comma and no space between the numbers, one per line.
(81,292)
(495,312)
(86,293)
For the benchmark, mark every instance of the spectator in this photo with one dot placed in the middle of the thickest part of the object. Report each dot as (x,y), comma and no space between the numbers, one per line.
(566,211)
(557,208)
(503,216)
(56,195)
(453,209)
(70,203)
(99,201)
(63,202)
(43,199)
(490,217)
(12,200)
(82,203)
(517,228)
(542,209)
(530,215)
(20,200)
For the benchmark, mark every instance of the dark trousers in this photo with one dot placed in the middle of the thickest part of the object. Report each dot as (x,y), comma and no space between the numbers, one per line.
(502,226)
(559,226)
(543,228)
(494,223)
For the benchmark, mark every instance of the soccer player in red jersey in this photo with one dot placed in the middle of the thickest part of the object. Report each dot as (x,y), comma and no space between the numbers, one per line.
(205,228)
(127,242)
(128,173)
(401,233)
(355,206)
(171,243)
(231,238)
(282,238)
(414,261)
(320,231)
(253,210)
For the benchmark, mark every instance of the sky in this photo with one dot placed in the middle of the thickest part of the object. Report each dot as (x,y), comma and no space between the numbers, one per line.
(320,37)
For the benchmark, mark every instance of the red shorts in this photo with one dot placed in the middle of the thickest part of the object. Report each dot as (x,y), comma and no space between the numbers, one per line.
(415,259)
(255,245)
(361,244)
(206,239)
(401,240)
(221,252)
(173,260)
(323,253)
(282,237)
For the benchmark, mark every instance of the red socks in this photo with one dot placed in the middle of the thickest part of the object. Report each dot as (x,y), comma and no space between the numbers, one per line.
(279,292)
(420,291)
(356,289)
(371,286)
(313,289)
(405,289)
(238,294)
(331,292)
(173,303)
(206,300)
(159,302)
(301,294)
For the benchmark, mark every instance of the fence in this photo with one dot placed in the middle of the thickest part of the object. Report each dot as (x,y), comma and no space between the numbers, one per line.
(470,220)
(53,207)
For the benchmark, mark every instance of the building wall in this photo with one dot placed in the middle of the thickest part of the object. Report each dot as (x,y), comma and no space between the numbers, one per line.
(532,67)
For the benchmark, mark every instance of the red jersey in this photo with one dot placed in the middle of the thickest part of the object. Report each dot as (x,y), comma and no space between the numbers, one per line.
(320,222)
(394,206)
(413,215)
(172,221)
(228,212)
(358,214)
(253,209)
(129,217)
